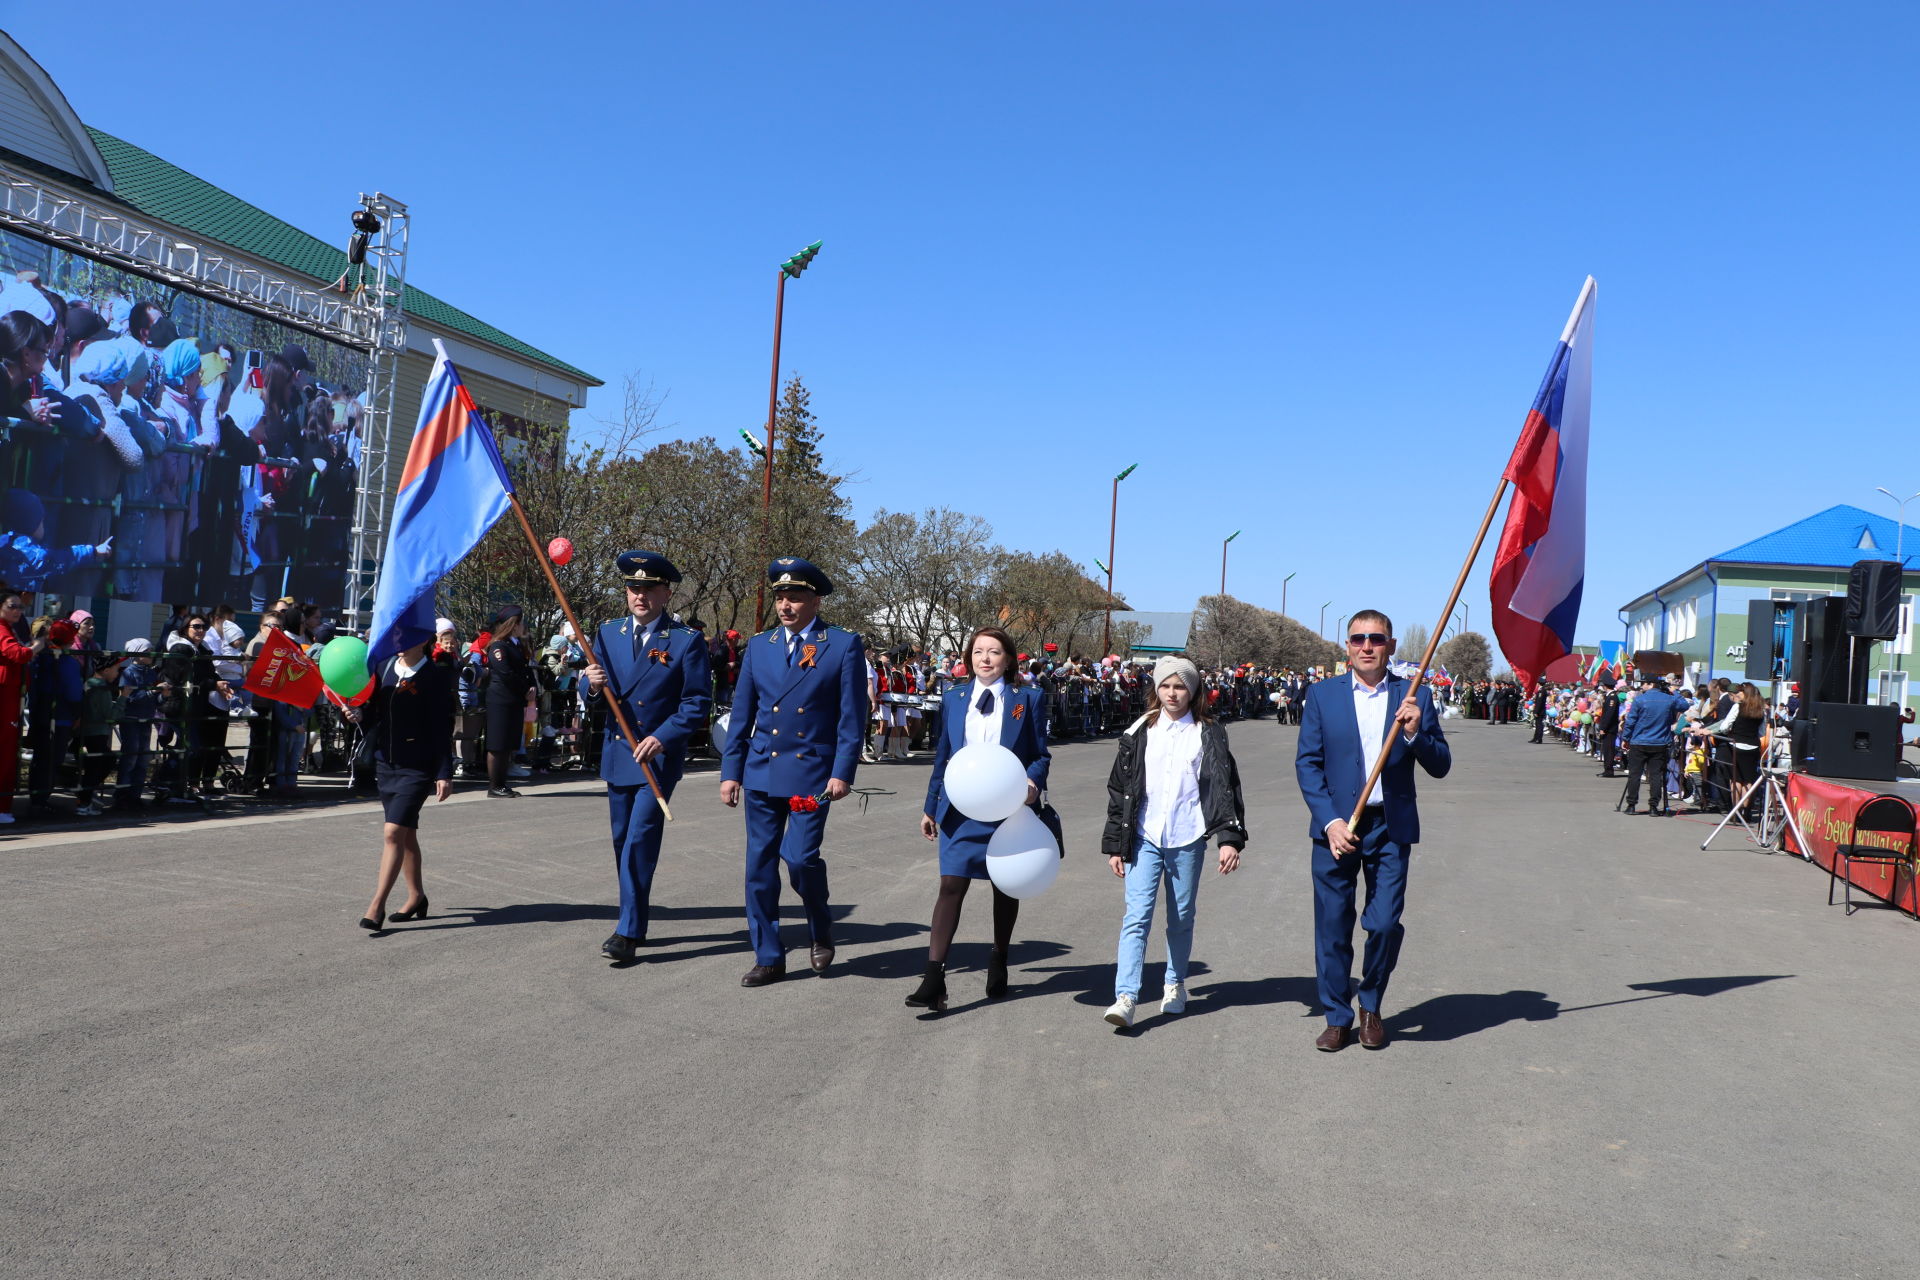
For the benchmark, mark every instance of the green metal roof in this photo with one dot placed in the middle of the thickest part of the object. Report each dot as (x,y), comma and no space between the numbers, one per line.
(171,194)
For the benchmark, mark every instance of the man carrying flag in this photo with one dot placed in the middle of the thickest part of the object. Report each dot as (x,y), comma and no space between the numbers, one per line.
(1540,566)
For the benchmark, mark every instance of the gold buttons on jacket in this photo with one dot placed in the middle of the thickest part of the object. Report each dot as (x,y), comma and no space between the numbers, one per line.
(799,711)
(776,755)
(776,708)
(776,732)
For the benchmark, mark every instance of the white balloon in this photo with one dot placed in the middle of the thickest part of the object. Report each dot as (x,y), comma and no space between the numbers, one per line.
(986,783)
(1022,857)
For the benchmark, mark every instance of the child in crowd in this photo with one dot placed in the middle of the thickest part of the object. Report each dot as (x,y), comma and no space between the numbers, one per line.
(139,705)
(25,562)
(97,716)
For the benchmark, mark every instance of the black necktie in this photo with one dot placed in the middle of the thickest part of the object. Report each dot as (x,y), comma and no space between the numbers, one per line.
(793,647)
(985,705)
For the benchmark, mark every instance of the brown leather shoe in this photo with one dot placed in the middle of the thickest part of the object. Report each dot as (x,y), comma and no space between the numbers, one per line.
(1333,1039)
(762,974)
(1373,1035)
(821,955)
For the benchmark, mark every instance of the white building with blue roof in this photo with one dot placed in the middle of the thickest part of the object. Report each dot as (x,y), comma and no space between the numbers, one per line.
(1702,613)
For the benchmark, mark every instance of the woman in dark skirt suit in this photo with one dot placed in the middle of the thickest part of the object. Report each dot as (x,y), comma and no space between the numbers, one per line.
(510,682)
(990,707)
(409,720)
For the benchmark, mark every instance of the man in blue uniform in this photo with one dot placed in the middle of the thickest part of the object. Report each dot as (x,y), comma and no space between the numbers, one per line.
(793,743)
(657,669)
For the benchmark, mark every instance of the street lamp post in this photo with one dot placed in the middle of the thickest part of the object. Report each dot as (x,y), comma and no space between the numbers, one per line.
(1339,623)
(1113,528)
(791,268)
(1323,620)
(1899,545)
(1283,592)
(1223,560)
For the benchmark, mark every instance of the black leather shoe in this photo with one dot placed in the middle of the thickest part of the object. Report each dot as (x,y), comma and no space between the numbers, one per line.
(411,913)
(619,948)
(763,974)
(1632,811)
(820,956)
(996,975)
(374,924)
(503,793)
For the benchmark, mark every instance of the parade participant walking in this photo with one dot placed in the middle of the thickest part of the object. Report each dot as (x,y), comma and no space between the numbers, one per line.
(658,671)
(1173,785)
(509,684)
(793,746)
(992,707)
(1342,731)
(1647,729)
(409,720)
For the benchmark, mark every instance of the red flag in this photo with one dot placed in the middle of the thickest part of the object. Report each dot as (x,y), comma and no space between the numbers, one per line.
(284,672)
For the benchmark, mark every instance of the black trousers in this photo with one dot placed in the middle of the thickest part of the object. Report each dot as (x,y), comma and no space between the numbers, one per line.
(1609,749)
(1651,761)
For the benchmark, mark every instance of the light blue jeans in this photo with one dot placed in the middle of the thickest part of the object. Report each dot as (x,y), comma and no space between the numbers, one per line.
(1180,868)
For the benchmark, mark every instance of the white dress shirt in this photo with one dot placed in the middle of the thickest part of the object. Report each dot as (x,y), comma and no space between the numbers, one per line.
(984,730)
(1372,708)
(1172,817)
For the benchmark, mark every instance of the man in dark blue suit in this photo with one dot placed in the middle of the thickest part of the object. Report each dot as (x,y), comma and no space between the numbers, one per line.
(793,739)
(657,669)
(1345,723)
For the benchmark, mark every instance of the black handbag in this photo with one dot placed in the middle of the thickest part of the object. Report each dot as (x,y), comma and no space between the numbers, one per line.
(1050,816)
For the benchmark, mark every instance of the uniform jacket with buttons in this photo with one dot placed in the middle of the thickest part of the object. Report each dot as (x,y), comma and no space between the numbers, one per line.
(1023,731)
(410,722)
(665,691)
(792,728)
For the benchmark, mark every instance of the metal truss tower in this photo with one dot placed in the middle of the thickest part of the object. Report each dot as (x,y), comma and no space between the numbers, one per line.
(378,284)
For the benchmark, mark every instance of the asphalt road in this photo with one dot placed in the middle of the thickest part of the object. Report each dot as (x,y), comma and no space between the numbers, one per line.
(1615,1055)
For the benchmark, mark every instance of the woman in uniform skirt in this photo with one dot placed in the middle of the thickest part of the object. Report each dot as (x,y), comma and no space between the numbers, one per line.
(991,706)
(409,720)
(510,682)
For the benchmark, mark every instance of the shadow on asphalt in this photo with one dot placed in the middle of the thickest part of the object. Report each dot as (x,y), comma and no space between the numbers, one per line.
(1450,1017)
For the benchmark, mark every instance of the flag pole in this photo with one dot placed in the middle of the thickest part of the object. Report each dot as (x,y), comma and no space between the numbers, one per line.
(1433,643)
(1433,639)
(586,647)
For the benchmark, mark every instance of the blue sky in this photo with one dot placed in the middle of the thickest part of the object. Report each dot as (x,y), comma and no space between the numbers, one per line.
(1304,263)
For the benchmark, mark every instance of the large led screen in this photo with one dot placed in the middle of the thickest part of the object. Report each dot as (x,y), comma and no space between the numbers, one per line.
(163,447)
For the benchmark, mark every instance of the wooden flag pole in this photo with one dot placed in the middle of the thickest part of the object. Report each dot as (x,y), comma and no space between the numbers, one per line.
(1433,643)
(586,647)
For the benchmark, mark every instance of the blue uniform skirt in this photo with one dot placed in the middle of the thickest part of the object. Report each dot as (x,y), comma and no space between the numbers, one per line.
(963,845)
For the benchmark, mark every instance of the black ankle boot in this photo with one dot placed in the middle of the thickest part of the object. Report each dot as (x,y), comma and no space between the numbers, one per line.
(932,991)
(996,974)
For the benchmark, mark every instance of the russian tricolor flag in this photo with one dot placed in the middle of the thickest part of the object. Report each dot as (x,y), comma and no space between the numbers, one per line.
(1541,563)
(453,489)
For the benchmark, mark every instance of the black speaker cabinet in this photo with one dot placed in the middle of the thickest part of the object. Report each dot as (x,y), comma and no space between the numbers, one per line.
(1873,600)
(1761,654)
(1821,650)
(1845,741)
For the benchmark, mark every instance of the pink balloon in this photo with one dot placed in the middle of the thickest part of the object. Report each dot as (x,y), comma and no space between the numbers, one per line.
(560,551)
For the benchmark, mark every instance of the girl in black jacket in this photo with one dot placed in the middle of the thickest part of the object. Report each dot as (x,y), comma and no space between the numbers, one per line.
(1174,784)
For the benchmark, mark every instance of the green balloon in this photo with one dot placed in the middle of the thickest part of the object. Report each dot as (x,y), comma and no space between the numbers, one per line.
(1586,717)
(343,665)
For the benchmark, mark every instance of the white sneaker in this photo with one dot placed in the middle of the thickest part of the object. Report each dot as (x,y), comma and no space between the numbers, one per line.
(89,811)
(1174,999)
(1121,1014)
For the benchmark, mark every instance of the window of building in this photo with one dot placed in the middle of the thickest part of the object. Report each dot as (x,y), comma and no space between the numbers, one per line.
(1892,691)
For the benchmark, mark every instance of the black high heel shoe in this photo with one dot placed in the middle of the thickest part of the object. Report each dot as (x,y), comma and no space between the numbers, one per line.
(375,924)
(417,913)
(996,975)
(932,991)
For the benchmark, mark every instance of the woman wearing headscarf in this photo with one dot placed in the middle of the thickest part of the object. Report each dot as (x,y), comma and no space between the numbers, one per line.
(99,465)
(509,691)
(992,708)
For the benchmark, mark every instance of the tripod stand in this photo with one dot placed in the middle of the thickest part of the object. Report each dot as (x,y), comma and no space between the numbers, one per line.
(1776,815)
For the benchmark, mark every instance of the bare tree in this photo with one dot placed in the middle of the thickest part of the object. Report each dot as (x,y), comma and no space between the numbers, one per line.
(921,579)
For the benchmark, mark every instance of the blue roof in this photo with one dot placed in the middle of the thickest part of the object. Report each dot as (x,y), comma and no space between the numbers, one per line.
(1831,539)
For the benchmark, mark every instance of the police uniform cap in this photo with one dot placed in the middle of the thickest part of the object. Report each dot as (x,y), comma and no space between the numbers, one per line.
(643,568)
(792,571)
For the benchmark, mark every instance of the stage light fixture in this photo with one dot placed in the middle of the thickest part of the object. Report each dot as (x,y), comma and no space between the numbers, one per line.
(365,226)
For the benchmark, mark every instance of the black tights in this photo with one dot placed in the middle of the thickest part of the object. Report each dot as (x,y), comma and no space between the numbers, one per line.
(497,769)
(946,917)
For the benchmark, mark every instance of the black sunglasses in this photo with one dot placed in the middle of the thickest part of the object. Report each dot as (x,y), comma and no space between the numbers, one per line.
(1368,637)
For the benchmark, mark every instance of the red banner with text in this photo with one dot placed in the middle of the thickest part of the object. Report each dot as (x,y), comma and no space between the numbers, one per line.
(1825,808)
